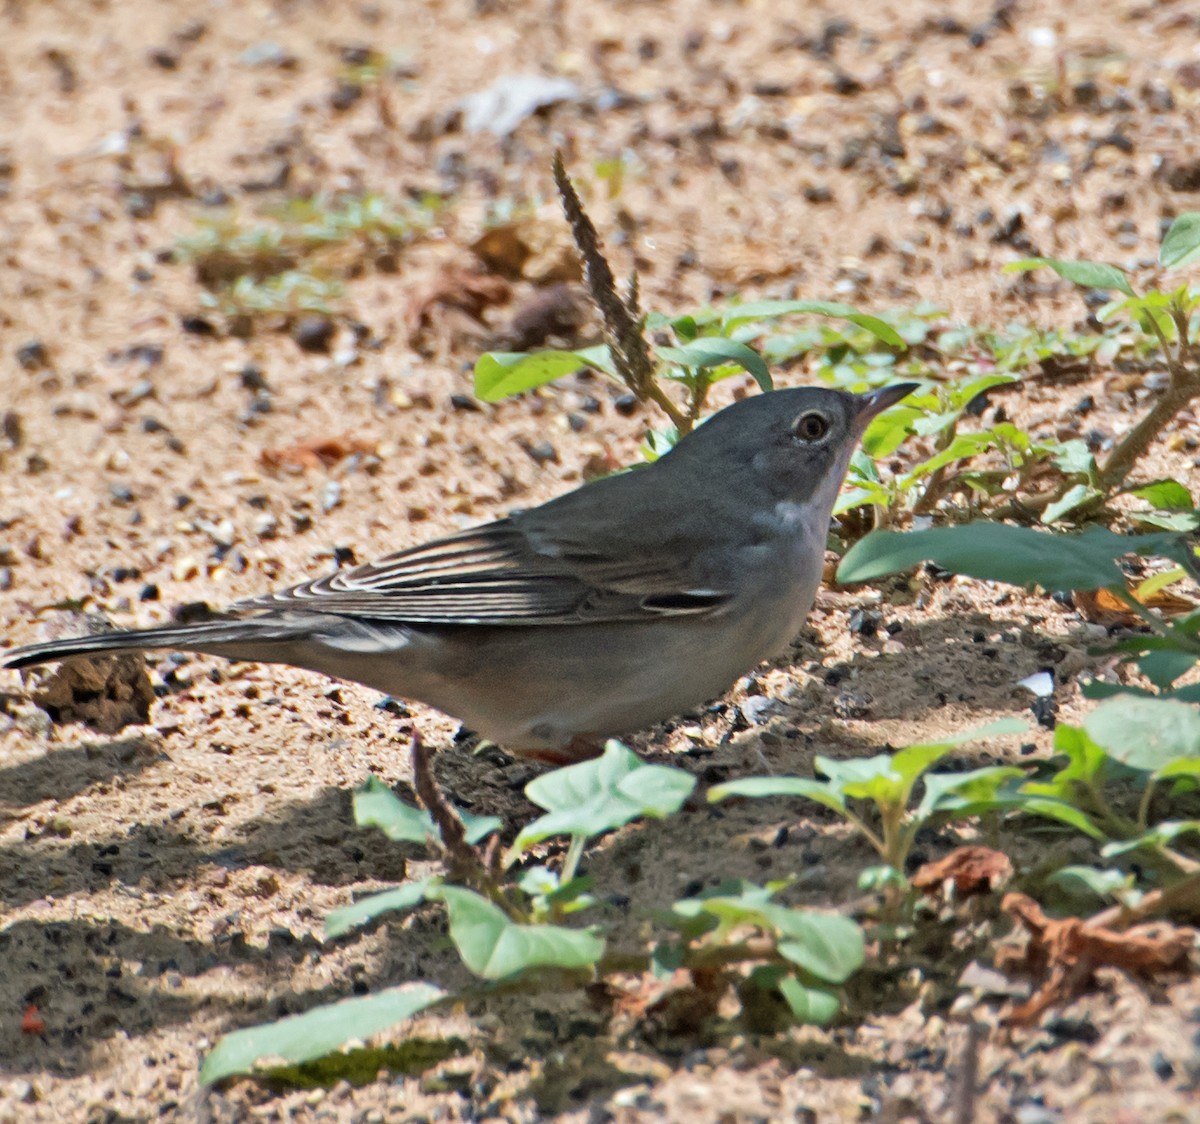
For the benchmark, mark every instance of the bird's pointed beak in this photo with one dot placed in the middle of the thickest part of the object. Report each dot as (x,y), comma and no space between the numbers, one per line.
(871,405)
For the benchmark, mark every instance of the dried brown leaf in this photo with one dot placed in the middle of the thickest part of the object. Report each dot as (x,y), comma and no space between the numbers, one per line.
(1103,606)
(1065,955)
(970,870)
(317,452)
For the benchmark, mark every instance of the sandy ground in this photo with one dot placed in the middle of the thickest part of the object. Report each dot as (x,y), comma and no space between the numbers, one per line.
(165,884)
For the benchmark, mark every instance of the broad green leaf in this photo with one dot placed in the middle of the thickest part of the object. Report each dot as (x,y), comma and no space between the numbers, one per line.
(1089,274)
(912,761)
(1073,499)
(1074,458)
(825,945)
(1180,767)
(1005,553)
(1167,495)
(768,309)
(597,796)
(376,805)
(970,793)
(367,909)
(1050,808)
(712,351)
(864,778)
(501,374)
(494,946)
(886,433)
(477,828)
(730,893)
(810,1006)
(1162,668)
(758,787)
(1143,733)
(301,1038)
(1182,521)
(1181,244)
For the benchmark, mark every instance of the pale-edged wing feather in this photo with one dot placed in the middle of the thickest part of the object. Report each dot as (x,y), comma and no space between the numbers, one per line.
(492,575)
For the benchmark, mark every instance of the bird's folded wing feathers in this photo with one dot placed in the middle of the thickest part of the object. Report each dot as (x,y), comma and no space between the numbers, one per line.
(500,574)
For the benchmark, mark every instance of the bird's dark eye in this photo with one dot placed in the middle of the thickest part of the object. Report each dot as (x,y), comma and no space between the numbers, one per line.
(811,426)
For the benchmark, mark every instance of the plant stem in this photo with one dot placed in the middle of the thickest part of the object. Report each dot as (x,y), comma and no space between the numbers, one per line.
(571,862)
(1135,443)
(1184,386)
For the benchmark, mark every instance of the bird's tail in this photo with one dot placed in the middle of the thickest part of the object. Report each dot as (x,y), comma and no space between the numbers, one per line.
(210,637)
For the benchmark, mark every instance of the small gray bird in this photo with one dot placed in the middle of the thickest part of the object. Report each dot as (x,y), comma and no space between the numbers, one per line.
(605,610)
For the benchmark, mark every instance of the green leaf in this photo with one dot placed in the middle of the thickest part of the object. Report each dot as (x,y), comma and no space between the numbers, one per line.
(366,909)
(376,805)
(301,1038)
(1166,495)
(501,374)
(1162,668)
(1161,835)
(769,309)
(1181,244)
(477,828)
(967,794)
(597,796)
(825,945)
(1180,767)
(1101,883)
(1089,274)
(759,787)
(712,351)
(1074,497)
(1000,552)
(494,946)
(1062,811)
(1143,733)
(810,1006)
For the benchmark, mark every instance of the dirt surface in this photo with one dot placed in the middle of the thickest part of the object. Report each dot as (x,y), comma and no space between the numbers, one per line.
(167,883)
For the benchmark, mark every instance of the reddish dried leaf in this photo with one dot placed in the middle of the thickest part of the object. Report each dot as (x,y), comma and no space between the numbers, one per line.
(1102,606)
(970,870)
(317,452)
(1065,954)
(32,1022)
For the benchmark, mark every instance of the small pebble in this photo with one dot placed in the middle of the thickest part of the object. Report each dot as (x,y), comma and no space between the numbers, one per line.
(33,356)
(314,333)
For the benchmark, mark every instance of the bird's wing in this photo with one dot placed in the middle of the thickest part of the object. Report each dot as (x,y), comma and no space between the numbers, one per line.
(503,574)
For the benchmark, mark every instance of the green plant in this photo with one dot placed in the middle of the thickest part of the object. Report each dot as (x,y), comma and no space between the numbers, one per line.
(1001,470)
(294,260)
(886,783)
(509,918)
(1171,318)
(1055,562)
